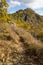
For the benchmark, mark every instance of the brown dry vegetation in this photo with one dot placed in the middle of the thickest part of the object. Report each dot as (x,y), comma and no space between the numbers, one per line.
(19,47)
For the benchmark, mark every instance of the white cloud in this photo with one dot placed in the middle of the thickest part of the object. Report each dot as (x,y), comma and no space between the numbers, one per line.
(13,3)
(26,1)
(36,4)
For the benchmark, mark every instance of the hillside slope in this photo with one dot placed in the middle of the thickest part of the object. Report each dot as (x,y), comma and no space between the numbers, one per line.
(30,21)
(27,15)
(19,47)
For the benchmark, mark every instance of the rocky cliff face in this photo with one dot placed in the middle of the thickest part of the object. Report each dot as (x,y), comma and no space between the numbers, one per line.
(19,47)
(27,15)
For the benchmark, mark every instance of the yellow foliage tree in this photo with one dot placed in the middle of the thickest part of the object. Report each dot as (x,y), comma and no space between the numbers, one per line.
(3,10)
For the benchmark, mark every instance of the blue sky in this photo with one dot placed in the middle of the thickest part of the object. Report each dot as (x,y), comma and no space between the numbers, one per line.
(36,5)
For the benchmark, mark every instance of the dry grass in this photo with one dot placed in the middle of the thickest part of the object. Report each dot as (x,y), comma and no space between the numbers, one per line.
(21,49)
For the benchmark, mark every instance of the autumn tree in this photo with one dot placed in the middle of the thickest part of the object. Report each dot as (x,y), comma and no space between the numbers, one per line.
(3,10)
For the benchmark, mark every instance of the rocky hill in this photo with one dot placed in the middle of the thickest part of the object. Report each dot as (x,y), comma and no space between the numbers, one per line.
(27,15)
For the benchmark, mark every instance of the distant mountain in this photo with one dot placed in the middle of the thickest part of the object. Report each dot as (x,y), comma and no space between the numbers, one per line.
(27,15)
